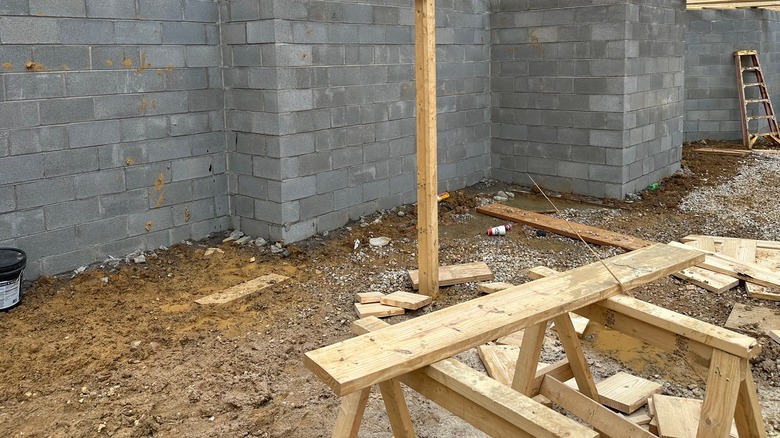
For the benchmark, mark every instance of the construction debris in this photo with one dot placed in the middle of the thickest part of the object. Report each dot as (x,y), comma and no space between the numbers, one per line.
(457,274)
(377,309)
(753,319)
(242,290)
(406,300)
(775,335)
(489,288)
(369,297)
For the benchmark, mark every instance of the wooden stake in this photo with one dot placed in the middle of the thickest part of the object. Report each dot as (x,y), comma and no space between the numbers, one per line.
(427,176)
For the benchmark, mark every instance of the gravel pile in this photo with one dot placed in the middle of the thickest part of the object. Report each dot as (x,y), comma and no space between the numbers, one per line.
(748,204)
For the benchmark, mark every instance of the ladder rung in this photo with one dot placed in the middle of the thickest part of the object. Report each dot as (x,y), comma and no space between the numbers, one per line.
(769,116)
(754,84)
(746,52)
(749,68)
(756,100)
(761,134)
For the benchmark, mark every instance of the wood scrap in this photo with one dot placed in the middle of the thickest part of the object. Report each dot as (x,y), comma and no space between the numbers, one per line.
(775,335)
(369,297)
(678,417)
(639,417)
(729,152)
(515,339)
(580,324)
(735,268)
(242,290)
(760,244)
(489,288)
(377,309)
(753,319)
(406,300)
(626,393)
(706,279)
(457,274)
(562,227)
(500,361)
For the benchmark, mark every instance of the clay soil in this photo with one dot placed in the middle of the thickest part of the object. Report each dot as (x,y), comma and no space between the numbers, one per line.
(125,351)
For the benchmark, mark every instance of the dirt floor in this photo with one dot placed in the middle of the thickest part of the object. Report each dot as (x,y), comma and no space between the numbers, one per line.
(122,349)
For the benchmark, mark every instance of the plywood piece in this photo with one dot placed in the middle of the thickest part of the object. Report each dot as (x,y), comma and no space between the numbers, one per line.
(515,339)
(242,290)
(500,361)
(369,297)
(678,417)
(708,280)
(457,274)
(489,288)
(775,335)
(427,169)
(753,319)
(580,324)
(417,342)
(406,300)
(626,393)
(564,228)
(377,309)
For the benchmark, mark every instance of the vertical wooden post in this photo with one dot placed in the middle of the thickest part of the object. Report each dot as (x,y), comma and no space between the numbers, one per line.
(720,396)
(351,414)
(427,208)
(528,358)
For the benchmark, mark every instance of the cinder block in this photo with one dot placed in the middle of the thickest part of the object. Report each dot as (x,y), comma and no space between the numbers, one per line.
(121,248)
(148,221)
(253,187)
(28,141)
(68,214)
(190,168)
(316,205)
(188,123)
(45,192)
(183,33)
(7,199)
(22,223)
(29,30)
(14,7)
(59,263)
(124,203)
(16,169)
(34,86)
(101,231)
(86,31)
(376,189)
(143,128)
(244,10)
(136,32)
(148,175)
(18,114)
(201,10)
(69,162)
(164,56)
(202,56)
(94,133)
(204,100)
(110,9)
(90,83)
(68,110)
(186,79)
(157,10)
(169,149)
(99,183)
(61,8)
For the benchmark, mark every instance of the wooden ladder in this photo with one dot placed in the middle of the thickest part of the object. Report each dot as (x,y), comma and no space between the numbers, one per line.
(748,138)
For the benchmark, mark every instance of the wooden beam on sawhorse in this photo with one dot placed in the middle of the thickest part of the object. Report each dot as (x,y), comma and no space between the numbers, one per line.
(427,175)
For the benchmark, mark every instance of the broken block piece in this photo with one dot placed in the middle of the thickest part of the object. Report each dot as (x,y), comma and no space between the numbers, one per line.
(407,300)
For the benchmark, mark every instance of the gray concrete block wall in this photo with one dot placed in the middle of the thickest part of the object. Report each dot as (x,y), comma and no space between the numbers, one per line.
(712,109)
(111,128)
(584,95)
(320,109)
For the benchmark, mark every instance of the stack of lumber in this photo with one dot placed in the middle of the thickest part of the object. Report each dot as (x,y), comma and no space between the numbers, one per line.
(381,305)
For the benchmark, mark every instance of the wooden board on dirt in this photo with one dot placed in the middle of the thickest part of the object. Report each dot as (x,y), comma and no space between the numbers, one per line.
(565,228)
(626,393)
(678,417)
(457,274)
(735,268)
(775,335)
(729,152)
(580,323)
(760,244)
(406,300)
(377,309)
(489,288)
(753,319)
(242,290)
(709,280)
(369,297)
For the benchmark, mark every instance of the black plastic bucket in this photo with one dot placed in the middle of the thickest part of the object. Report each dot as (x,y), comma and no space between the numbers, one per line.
(12,263)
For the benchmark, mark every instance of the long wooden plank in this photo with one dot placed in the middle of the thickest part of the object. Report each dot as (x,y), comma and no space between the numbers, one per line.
(730,152)
(704,278)
(745,251)
(361,361)
(242,290)
(427,173)
(720,398)
(457,274)
(735,268)
(485,403)
(562,227)
(592,412)
(674,324)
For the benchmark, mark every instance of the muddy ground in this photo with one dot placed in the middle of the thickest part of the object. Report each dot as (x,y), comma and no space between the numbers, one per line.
(123,350)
